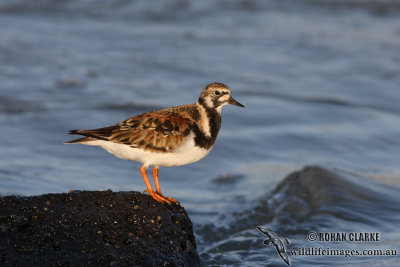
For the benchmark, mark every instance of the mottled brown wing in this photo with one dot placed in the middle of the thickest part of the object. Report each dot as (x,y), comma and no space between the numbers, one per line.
(160,132)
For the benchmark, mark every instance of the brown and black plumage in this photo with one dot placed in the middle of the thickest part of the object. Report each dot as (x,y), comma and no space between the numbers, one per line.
(168,137)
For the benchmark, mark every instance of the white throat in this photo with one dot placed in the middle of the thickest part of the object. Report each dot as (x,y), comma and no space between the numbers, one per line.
(204,121)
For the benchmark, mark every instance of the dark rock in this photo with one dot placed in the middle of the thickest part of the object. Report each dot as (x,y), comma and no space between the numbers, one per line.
(94,228)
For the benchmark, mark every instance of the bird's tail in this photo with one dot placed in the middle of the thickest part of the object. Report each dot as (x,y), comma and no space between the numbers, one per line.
(92,135)
(88,137)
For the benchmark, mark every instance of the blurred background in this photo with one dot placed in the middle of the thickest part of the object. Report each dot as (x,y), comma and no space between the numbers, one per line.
(319,79)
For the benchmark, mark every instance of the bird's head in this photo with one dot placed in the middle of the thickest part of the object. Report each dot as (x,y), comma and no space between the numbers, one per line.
(217,95)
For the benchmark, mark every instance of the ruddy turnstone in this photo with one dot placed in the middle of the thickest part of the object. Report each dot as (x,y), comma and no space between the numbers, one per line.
(168,137)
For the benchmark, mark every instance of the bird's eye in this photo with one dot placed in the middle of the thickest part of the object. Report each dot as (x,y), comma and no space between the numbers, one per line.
(217,92)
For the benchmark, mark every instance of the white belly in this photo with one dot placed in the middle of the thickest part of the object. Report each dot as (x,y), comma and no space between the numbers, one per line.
(185,154)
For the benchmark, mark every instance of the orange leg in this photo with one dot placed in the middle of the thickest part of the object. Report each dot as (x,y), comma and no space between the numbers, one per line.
(155,175)
(158,189)
(143,170)
(156,195)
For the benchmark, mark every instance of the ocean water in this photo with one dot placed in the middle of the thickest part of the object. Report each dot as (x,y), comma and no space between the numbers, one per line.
(319,79)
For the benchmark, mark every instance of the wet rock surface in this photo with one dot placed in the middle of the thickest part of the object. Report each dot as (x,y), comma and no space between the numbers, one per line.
(94,228)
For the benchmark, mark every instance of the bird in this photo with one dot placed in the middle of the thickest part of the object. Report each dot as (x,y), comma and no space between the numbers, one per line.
(276,241)
(168,137)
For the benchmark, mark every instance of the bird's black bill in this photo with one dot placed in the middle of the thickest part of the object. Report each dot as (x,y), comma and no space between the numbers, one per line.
(234,102)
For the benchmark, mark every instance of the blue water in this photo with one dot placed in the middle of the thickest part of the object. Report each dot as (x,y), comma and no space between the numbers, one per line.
(319,79)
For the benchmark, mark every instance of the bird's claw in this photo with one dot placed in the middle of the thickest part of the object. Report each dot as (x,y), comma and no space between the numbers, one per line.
(163,199)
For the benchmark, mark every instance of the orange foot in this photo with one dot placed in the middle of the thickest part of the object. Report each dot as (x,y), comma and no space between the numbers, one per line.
(163,199)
